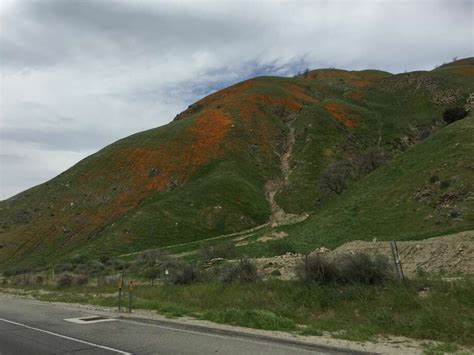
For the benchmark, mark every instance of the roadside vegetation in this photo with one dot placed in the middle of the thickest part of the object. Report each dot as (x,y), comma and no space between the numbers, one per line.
(353,297)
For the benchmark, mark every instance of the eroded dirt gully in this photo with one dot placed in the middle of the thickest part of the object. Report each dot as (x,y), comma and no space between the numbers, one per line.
(272,187)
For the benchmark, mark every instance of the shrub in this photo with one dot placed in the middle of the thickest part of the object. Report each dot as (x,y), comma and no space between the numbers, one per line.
(151,256)
(82,280)
(65,280)
(362,268)
(245,271)
(454,114)
(182,273)
(316,268)
(276,272)
(424,133)
(371,160)
(221,250)
(334,178)
(433,179)
(152,273)
(95,266)
(104,259)
(79,259)
(280,247)
(120,264)
(81,269)
(39,280)
(12,272)
(64,267)
(445,184)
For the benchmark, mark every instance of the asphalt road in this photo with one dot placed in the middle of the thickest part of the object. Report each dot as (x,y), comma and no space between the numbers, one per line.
(29,327)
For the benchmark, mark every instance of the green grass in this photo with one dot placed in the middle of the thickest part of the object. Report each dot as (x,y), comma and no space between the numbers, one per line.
(384,204)
(351,312)
(440,349)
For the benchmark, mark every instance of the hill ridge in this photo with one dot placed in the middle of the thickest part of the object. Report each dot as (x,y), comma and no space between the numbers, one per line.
(242,157)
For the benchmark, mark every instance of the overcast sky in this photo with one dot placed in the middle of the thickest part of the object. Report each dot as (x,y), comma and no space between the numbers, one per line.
(78,75)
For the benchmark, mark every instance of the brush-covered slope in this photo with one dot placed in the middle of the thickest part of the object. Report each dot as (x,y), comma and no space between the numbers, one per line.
(199,176)
(207,173)
(425,191)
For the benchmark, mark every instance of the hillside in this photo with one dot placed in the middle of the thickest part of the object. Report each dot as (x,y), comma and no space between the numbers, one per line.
(254,153)
(425,191)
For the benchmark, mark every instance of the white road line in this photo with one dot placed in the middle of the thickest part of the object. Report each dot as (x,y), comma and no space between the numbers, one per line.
(65,337)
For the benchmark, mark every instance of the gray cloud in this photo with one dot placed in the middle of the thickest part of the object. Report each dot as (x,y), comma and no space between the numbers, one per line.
(77,75)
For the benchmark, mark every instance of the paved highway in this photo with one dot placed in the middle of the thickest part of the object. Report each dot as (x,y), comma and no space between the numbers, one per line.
(29,327)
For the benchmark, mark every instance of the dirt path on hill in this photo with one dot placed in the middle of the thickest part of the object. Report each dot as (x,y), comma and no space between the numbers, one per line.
(273,187)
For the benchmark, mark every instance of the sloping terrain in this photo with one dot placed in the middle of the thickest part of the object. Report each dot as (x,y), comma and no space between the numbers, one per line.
(425,191)
(241,156)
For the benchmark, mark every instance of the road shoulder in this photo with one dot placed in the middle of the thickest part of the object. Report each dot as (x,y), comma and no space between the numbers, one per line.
(384,345)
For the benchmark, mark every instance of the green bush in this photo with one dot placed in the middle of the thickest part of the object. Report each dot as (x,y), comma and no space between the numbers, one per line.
(120,265)
(79,259)
(65,280)
(152,273)
(13,271)
(359,268)
(82,280)
(64,267)
(222,250)
(445,184)
(362,268)
(182,273)
(95,266)
(454,114)
(316,268)
(39,280)
(245,271)
(280,247)
(433,179)
(276,272)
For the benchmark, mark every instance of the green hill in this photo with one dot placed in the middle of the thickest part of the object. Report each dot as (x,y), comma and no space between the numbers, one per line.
(425,191)
(256,152)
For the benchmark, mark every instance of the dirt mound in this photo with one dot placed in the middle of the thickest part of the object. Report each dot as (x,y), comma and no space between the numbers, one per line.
(450,254)
(281,267)
(272,236)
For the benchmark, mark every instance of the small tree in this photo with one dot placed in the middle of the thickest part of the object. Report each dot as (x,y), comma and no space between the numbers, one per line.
(454,114)
(244,270)
(334,178)
(371,160)
(316,268)
(151,274)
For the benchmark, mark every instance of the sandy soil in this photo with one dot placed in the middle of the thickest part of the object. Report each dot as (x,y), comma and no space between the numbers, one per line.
(451,254)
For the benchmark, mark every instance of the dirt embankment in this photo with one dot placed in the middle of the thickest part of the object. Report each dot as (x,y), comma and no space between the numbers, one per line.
(450,254)
(273,187)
